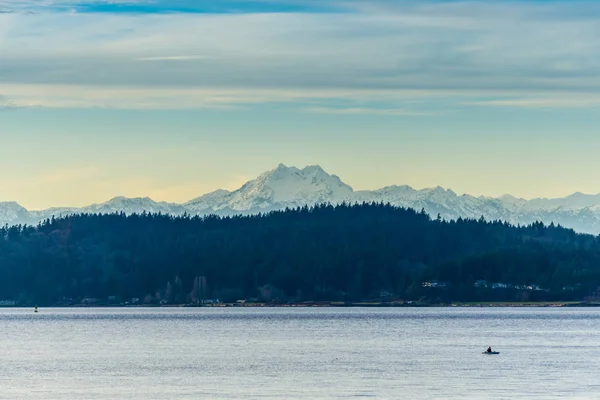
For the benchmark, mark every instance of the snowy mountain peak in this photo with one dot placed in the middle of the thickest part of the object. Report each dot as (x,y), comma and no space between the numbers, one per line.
(281,172)
(396,188)
(13,205)
(135,205)
(284,169)
(579,199)
(12,213)
(289,187)
(438,190)
(314,169)
(120,199)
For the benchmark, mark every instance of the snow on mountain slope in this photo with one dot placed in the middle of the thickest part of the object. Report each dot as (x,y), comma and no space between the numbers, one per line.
(436,201)
(276,189)
(20,215)
(509,201)
(134,205)
(575,201)
(12,213)
(208,201)
(56,212)
(291,187)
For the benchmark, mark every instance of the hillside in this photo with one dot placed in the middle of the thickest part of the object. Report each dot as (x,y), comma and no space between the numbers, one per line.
(323,253)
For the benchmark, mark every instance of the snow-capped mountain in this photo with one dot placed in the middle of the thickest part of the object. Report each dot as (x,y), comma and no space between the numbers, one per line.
(12,213)
(135,205)
(436,201)
(276,189)
(209,201)
(291,187)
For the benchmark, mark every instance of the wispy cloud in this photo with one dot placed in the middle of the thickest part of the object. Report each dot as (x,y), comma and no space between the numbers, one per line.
(506,53)
(8,104)
(224,98)
(365,111)
(171,6)
(175,58)
(556,101)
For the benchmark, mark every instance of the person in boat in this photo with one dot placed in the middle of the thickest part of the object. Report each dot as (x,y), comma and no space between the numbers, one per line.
(489,350)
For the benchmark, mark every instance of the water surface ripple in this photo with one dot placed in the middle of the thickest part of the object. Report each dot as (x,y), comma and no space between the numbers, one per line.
(303,353)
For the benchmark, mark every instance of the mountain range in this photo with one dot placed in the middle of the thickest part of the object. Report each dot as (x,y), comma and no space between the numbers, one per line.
(285,187)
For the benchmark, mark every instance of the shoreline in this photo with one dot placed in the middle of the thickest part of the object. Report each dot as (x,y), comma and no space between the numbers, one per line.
(333,305)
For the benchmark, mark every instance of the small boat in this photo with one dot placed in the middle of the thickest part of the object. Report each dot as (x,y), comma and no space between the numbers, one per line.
(491,353)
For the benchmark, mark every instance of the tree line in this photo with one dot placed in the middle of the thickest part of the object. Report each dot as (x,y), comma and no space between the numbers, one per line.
(329,253)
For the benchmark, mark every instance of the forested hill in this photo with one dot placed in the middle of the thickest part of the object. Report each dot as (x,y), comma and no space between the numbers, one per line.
(323,253)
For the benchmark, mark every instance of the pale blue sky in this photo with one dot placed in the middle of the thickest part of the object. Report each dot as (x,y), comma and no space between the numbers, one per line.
(172,99)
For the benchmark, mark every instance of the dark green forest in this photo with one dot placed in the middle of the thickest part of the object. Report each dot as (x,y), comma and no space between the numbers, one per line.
(323,253)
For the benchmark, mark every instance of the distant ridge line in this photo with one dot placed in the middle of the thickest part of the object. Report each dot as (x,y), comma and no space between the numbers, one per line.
(285,186)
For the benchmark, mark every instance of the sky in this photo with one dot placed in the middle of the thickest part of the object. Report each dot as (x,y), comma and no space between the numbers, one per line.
(174,99)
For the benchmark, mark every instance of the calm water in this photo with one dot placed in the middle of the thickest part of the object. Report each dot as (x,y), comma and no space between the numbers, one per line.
(299,353)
